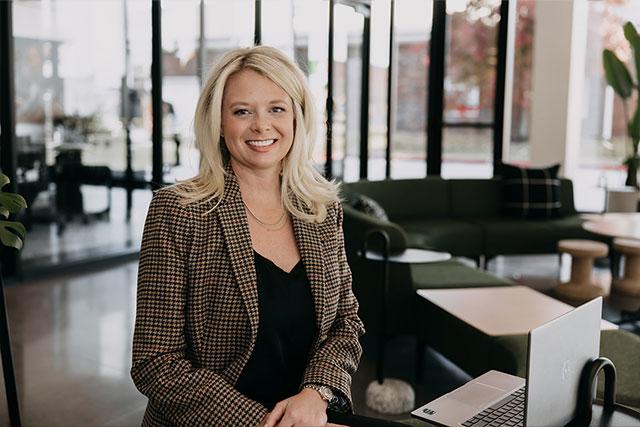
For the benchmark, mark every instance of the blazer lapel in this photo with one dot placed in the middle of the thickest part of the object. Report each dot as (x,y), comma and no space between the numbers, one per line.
(233,219)
(310,247)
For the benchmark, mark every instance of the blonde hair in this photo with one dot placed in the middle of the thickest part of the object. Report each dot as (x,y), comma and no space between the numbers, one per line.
(299,176)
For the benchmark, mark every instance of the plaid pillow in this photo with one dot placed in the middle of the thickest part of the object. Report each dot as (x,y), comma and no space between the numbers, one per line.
(530,193)
(367,205)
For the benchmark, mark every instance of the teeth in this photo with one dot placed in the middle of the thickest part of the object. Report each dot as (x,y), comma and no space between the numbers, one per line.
(262,143)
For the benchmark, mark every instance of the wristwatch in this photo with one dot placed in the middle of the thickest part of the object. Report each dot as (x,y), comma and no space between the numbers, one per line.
(325,392)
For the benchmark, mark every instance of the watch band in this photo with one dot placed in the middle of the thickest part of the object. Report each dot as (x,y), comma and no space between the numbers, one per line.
(325,392)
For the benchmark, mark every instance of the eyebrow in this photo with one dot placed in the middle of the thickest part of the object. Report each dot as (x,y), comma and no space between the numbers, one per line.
(242,103)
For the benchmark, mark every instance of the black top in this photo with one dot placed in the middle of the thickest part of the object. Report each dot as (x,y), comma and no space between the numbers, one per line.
(286,331)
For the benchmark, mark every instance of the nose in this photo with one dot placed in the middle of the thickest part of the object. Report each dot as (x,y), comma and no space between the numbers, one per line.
(261,123)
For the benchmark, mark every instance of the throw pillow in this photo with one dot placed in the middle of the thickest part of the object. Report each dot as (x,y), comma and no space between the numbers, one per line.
(532,193)
(367,205)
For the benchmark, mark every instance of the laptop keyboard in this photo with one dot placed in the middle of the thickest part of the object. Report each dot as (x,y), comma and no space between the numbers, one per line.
(507,412)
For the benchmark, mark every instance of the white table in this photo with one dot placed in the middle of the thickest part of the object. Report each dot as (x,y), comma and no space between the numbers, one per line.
(411,256)
(499,311)
(614,224)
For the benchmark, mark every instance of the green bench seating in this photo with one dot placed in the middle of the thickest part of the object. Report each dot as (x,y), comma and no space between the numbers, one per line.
(463,217)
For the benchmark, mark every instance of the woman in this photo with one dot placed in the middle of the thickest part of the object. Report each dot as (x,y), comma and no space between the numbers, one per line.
(245,313)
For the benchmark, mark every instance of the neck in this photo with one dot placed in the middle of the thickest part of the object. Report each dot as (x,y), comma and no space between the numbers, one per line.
(257,184)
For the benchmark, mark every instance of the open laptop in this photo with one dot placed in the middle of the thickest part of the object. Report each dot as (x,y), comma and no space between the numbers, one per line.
(558,350)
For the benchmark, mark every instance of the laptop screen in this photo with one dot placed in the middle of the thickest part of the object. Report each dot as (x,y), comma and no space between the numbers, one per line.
(558,351)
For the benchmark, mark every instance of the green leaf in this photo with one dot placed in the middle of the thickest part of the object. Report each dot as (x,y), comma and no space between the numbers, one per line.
(617,75)
(4,180)
(12,233)
(4,212)
(12,202)
(632,35)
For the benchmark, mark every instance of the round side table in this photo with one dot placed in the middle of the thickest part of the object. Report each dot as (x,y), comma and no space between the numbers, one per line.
(630,283)
(391,395)
(581,286)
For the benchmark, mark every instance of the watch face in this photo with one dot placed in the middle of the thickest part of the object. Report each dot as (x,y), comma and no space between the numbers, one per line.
(326,393)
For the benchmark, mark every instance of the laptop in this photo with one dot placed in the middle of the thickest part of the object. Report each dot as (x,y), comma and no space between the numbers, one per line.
(558,350)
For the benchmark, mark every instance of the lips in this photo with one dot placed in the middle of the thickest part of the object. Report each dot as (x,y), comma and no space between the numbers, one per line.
(261,142)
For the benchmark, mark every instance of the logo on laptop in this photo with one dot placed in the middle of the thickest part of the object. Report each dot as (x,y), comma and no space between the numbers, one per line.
(566,370)
(428,411)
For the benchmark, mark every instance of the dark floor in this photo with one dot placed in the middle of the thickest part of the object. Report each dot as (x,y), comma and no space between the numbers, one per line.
(71,340)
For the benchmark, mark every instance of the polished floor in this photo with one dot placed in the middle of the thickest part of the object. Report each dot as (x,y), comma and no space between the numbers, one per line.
(72,345)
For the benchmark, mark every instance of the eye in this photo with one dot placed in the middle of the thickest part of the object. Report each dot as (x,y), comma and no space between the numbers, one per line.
(278,109)
(241,112)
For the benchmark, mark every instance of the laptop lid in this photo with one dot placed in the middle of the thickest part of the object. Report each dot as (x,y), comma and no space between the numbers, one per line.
(558,350)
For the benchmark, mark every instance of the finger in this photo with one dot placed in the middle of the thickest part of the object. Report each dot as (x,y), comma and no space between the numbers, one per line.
(276,414)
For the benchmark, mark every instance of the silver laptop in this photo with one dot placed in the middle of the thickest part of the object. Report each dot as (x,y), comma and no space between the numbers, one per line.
(558,350)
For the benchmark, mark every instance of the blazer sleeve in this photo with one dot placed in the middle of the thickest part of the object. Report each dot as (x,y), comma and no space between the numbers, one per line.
(184,394)
(336,359)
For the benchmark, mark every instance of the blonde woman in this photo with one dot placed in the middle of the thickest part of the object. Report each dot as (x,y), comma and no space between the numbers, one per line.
(245,314)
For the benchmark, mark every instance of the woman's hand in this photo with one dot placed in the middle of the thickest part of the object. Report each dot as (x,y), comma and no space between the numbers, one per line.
(306,408)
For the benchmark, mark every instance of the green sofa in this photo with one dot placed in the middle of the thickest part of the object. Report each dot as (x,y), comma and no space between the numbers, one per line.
(463,217)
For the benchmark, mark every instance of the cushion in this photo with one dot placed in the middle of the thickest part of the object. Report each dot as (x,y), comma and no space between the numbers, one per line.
(367,205)
(530,193)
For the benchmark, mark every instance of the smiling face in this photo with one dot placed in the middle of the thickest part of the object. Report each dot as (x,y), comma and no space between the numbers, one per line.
(257,121)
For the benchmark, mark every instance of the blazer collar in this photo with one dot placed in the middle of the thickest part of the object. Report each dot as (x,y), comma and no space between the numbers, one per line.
(232,216)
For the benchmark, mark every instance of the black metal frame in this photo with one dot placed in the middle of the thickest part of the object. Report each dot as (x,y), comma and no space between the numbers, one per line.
(257,22)
(364,98)
(328,164)
(390,90)
(435,91)
(8,162)
(156,91)
(501,73)
(8,166)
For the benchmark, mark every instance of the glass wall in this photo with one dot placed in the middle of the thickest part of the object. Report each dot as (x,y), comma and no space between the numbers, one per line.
(347,57)
(301,29)
(69,80)
(412,34)
(603,143)
(180,86)
(83,97)
(469,88)
(522,85)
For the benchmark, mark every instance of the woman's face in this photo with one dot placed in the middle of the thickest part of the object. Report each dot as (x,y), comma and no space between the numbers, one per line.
(257,121)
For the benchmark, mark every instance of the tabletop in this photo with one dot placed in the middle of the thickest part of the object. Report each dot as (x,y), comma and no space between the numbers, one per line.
(499,311)
(412,256)
(614,224)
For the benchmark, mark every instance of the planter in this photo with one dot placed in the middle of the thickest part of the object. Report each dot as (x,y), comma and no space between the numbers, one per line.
(622,199)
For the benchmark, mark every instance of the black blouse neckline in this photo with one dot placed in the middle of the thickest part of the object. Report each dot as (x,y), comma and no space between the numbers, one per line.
(293,269)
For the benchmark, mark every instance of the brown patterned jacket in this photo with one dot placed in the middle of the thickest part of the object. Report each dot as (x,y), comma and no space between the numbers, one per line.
(197,310)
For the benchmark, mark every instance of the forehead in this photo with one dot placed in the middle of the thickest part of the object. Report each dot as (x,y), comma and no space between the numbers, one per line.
(250,86)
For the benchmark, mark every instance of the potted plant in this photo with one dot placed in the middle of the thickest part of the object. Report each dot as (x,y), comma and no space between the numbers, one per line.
(11,235)
(622,82)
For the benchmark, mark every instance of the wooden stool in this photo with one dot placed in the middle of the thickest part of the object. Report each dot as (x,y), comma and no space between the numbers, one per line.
(581,286)
(630,283)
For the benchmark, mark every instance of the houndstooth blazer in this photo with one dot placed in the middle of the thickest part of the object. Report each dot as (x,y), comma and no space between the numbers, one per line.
(197,310)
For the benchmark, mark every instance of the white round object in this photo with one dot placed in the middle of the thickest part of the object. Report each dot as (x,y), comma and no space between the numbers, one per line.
(393,396)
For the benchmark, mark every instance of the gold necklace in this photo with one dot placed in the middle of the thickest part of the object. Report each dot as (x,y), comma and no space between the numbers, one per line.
(266,225)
